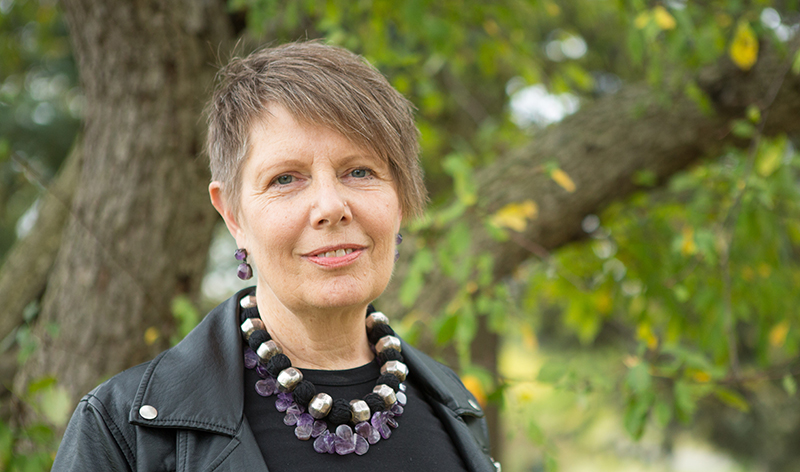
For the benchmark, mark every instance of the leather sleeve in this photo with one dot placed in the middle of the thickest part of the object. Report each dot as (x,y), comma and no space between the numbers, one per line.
(92,441)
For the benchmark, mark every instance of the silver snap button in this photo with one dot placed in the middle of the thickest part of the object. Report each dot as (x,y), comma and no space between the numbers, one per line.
(474,405)
(148,412)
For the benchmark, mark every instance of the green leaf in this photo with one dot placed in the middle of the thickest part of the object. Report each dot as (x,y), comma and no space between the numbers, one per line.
(732,399)
(638,378)
(789,384)
(662,413)
(645,178)
(41,384)
(743,129)
(421,264)
(446,330)
(56,405)
(685,404)
(551,372)
(636,412)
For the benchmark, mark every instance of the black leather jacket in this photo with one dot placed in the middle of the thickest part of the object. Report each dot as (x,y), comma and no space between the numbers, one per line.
(183,410)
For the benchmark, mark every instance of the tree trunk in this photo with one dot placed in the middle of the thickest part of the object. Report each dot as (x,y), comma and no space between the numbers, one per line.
(140,223)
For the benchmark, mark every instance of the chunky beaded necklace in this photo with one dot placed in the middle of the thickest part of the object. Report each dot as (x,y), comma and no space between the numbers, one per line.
(372,417)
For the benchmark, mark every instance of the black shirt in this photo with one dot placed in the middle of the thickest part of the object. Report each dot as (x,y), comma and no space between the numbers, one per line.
(419,443)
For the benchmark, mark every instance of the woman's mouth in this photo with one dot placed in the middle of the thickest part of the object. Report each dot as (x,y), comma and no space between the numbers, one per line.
(336,253)
(336,257)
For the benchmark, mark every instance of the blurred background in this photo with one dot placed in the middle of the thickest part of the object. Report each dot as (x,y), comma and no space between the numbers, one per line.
(610,258)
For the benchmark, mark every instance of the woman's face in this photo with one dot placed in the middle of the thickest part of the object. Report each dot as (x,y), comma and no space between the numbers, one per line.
(318,215)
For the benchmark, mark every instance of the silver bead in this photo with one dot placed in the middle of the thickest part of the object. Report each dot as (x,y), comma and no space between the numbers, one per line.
(386,393)
(376,318)
(388,342)
(288,379)
(396,368)
(250,325)
(359,411)
(267,350)
(320,405)
(248,302)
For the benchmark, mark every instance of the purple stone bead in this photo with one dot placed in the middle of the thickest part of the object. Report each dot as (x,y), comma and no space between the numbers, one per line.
(303,429)
(244,271)
(262,371)
(266,387)
(345,440)
(284,401)
(401,398)
(319,427)
(379,423)
(402,387)
(398,239)
(362,446)
(325,443)
(397,409)
(290,419)
(366,431)
(250,358)
(391,421)
(240,254)
(295,409)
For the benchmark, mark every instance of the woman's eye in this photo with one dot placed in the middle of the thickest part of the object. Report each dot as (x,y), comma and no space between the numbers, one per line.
(284,179)
(360,173)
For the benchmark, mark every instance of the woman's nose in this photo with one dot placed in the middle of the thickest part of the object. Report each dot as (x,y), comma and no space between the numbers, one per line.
(329,207)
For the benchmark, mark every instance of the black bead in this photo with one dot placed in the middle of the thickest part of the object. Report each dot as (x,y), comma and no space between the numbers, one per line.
(340,412)
(277,363)
(370,309)
(390,355)
(375,403)
(250,313)
(259,336)
(379,331)
(390,380)
(304,392)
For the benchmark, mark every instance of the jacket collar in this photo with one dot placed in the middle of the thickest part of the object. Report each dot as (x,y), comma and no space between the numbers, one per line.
(198,383)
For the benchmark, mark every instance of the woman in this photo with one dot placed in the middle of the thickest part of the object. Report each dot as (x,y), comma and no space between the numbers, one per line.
(314,167)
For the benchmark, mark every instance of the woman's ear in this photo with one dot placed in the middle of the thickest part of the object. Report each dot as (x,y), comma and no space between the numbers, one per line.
(225,210)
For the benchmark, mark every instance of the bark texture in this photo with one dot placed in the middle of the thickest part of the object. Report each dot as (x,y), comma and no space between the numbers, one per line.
(140,224)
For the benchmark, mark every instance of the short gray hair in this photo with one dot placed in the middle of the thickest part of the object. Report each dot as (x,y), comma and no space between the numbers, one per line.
(318,84)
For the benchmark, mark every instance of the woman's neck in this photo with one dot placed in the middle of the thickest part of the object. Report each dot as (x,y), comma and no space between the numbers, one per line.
(325,339)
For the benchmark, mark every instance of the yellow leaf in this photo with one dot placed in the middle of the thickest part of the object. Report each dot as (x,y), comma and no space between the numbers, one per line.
(515,215)
(475,387)
(603,302)
(552,9)
(764,270)
(664,20)
(777,335)
(151,335)
(688,246)
(646,334)
(744,48)
(490,26)
(642,20)
(769,160)
(562,179)
(699,376)
(529,337)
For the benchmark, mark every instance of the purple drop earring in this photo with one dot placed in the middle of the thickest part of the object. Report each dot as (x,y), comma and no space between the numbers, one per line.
(397,240)
(244,271)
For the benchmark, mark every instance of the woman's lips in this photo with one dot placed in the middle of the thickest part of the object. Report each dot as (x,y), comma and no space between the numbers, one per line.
(336,257)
